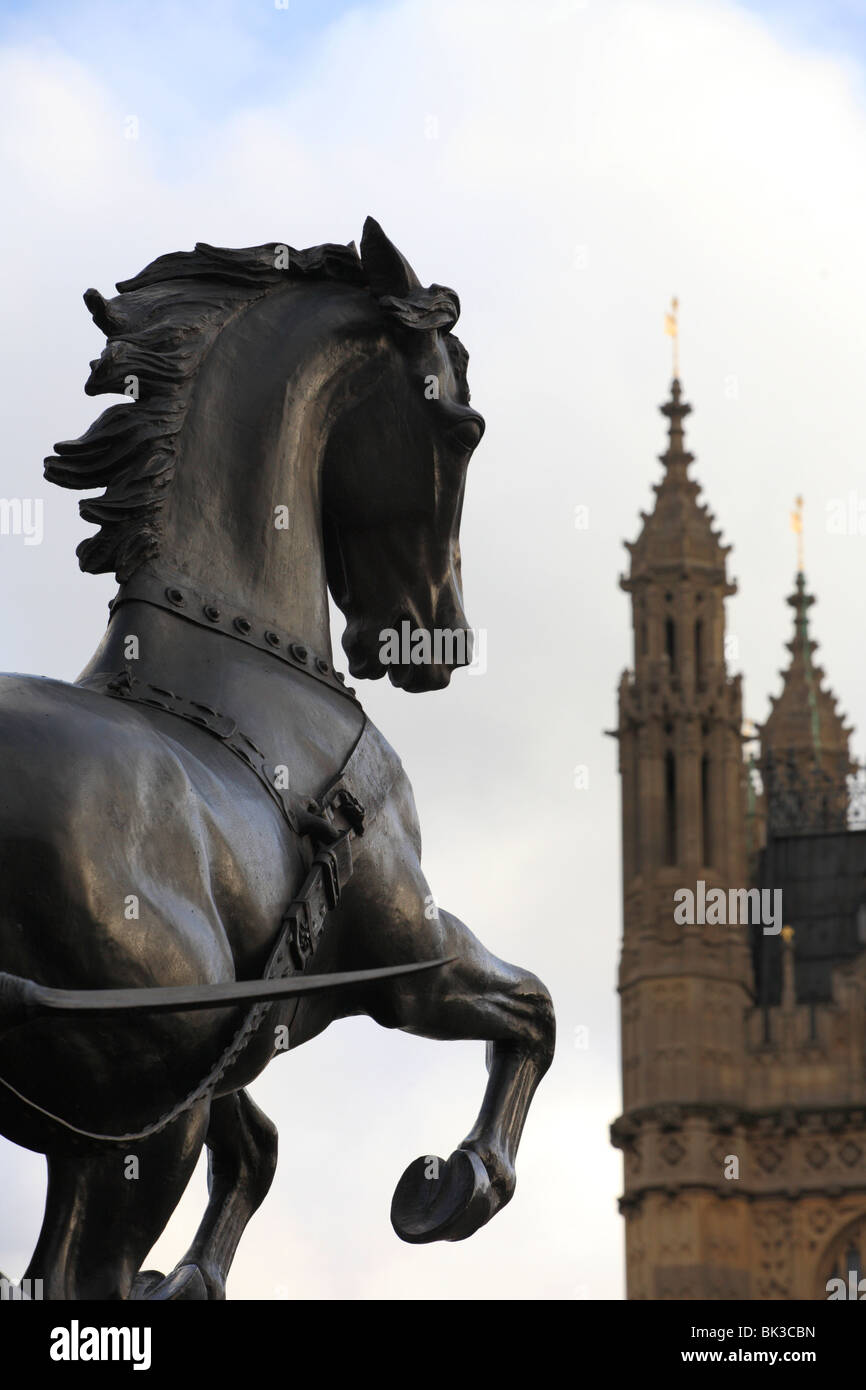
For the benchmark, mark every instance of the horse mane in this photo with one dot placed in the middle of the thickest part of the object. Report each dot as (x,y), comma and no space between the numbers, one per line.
(159,328)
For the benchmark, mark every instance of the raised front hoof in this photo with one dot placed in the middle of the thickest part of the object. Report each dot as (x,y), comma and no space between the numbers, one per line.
(442,1199)
(184,1285)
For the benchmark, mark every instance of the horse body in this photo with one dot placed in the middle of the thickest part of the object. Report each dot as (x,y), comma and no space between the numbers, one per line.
(137,851)
(149,862)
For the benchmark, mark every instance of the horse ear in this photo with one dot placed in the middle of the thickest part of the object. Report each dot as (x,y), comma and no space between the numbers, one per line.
(101,312)
(387,269)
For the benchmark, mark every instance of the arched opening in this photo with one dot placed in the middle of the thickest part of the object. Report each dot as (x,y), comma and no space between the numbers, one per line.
(670,825)
(843,1259)
(699,650)
(671,642)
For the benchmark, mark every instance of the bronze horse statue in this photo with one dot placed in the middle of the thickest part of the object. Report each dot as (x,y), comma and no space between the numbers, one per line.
(206,813)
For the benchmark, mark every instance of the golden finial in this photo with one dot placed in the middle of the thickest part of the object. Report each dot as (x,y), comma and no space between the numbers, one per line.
(797,527)
(788,935)
(672,330)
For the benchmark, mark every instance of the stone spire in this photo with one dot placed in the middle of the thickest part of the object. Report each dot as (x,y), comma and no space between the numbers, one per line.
(679,533)
(805,757)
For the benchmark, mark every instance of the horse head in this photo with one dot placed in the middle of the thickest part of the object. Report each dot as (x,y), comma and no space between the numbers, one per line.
(395,471)
(297,420)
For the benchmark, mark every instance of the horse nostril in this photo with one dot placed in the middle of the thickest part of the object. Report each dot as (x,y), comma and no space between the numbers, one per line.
(467,434)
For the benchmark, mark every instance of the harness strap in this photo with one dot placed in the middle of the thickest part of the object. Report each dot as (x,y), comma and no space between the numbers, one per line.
(334,821)
(331,867)
(365,780)
(350,801)
(125,686)
(176,594)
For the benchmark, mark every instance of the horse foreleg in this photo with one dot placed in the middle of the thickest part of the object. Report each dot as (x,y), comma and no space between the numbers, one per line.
(242,1160)
(475,996)
(105,1207)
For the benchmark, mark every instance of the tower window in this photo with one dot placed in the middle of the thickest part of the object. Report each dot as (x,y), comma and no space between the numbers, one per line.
(671,642)
(670,826)
(699,653)
(706,827)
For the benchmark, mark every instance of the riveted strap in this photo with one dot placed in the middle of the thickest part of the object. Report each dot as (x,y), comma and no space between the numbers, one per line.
(177,594)
(125,686)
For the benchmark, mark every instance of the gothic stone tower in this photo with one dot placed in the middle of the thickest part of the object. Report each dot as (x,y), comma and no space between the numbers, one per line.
(684,988)
(743,1054)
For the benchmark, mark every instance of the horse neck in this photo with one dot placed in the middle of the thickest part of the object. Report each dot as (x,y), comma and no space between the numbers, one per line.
(243,515)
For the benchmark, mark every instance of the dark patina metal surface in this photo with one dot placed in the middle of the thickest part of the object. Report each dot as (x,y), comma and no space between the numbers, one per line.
(205,823)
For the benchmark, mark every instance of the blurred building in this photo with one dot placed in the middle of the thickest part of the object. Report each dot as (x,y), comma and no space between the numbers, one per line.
(743,1128)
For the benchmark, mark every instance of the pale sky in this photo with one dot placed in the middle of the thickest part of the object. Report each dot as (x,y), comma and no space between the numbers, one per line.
(566,167)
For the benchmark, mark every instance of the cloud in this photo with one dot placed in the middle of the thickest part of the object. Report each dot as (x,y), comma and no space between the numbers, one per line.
(566,168)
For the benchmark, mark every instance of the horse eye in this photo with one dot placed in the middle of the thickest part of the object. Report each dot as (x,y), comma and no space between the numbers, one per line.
(467,434)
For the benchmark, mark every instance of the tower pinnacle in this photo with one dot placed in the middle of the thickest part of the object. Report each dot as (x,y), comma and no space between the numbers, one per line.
(805,758)
(676,457)
(679,533)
